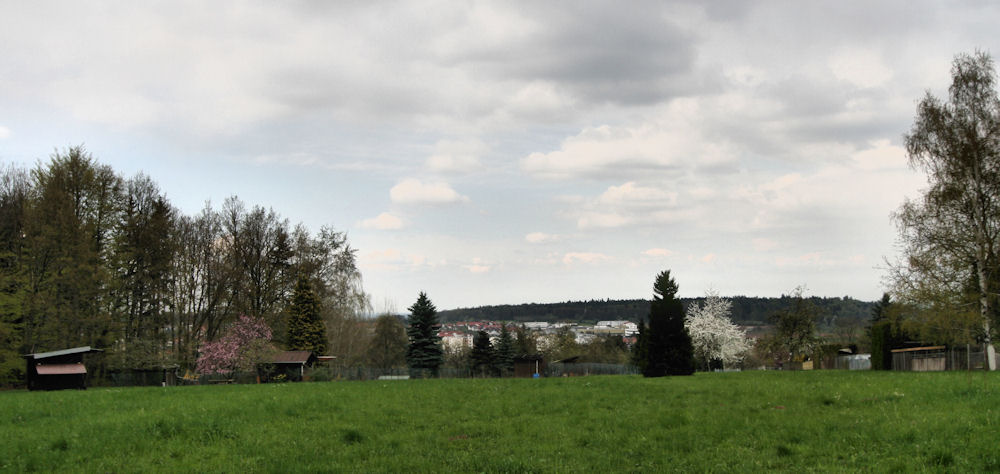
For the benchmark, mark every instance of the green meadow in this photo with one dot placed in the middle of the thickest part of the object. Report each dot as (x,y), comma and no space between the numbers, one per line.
(787,421)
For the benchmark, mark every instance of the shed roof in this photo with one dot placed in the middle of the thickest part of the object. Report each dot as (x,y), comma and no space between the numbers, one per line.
(292,357)
(927,348)
(75,350)
(60,369)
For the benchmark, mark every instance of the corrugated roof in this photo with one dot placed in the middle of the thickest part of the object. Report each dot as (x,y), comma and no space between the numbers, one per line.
(292,357)
(60,369)
(75,350)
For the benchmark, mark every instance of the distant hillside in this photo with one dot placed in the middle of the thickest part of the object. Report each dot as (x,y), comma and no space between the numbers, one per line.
(746,310)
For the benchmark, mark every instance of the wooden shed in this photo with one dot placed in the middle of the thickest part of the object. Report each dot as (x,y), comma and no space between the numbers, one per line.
(58,370)
(528,366)
(292,364)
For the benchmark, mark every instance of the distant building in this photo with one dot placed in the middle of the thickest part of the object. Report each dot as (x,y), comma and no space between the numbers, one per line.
(58,370)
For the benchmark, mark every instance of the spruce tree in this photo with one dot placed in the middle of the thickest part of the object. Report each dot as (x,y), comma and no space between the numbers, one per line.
(306,330)
(424,351)
(505,352)
(669,347)
(482,355)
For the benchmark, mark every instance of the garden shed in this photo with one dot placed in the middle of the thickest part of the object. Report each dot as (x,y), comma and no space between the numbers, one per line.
(292,364)
(58,370)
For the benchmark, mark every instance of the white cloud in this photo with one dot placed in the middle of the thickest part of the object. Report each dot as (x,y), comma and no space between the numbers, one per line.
(413,191)
(476,268)
(4,132)
(631,193)
(457,156)
(540,237)
(863,68)
(658,252)
(383,221)
(584,257)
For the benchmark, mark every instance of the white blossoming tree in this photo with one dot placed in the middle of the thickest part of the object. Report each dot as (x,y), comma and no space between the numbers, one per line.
(713,333)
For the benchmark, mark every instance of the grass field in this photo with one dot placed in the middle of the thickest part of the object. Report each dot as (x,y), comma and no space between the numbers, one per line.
(750,421)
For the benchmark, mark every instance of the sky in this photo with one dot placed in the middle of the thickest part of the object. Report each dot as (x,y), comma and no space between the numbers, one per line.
(512,152)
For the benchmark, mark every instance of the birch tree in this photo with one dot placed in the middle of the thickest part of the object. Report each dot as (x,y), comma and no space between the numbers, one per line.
(951,233)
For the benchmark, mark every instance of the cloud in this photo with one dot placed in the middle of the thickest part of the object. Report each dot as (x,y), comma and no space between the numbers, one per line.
(584,257)
(456,156)
(540,237)
(383,221)
(862,68)
(4,132)
(413,191)
(658,252)
(629,204)
(477,268)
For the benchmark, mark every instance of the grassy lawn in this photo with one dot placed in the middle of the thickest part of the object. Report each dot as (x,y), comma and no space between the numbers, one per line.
(793,421)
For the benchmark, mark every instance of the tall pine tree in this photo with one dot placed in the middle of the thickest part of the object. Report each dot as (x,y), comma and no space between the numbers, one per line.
(505,352)
(481,358)
(669,347)
(306,330)
(424,352)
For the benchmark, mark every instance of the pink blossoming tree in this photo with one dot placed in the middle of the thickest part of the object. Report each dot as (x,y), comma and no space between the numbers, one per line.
(244,345)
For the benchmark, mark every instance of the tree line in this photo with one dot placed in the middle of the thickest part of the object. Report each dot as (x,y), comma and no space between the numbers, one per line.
(90,257)
(745,310)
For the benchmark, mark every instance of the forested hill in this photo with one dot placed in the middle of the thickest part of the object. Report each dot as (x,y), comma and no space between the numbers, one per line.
(746,310)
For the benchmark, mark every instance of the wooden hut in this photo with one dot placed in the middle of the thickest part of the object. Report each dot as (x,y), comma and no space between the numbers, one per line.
(58,370)
(292,364)
(529,366)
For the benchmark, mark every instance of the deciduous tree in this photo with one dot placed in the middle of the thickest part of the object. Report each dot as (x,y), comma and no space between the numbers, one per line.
(951,234)
(715,338)
(245,345)
(387,348)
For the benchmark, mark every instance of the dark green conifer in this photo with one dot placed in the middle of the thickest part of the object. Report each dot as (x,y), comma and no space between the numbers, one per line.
(306,330)
(670,351)
(424,351)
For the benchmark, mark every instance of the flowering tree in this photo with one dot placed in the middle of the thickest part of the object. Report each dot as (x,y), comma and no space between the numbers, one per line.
(713,334)
(244,344)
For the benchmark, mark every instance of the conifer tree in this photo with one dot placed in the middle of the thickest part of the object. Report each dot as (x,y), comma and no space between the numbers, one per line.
(505,352)
(306,330)
(424,351)
(670,351)
(481,357)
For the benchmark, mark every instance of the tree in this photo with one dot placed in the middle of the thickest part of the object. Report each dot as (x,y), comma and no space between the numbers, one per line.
(669,345)
(245,345)
(525,342)
(68,226)
(15,189)
(716,340)
(387,348)
(306,331)
(140,263)
(505,352)
(951,234)
(481,357)
(640,350)
(424,351)
(794,335)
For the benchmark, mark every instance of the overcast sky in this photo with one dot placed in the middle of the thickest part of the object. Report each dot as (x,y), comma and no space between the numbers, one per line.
(511,152)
